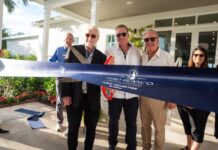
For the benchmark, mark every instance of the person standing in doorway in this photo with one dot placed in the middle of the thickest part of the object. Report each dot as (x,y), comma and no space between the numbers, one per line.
(59,56)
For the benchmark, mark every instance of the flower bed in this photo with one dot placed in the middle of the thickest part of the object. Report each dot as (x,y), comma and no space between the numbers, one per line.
(41,96)
(20,89)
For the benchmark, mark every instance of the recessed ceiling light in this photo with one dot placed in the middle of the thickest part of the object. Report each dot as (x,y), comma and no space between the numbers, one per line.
(129,2)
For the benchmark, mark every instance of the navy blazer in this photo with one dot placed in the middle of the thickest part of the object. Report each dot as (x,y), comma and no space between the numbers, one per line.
(74,89)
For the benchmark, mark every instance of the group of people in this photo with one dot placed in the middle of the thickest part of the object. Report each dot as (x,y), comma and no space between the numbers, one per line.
(83,99)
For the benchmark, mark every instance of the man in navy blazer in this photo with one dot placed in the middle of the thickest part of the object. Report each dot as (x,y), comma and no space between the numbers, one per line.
(82,97)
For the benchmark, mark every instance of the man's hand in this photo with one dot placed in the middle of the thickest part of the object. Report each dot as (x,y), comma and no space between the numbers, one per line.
(110,61)
(171,106)
(112,90)
(67,100)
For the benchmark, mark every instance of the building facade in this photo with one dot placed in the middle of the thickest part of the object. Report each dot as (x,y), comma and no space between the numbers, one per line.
(180,32)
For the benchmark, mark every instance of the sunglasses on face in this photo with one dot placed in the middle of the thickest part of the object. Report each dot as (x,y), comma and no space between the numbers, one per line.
(200,55)
(91,35)
(121,34)
(152,39)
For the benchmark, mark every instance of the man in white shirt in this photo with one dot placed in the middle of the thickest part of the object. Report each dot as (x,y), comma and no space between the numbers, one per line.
(123,54)
(153,110)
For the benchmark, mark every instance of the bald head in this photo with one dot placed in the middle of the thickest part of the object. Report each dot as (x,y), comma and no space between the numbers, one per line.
(92,36)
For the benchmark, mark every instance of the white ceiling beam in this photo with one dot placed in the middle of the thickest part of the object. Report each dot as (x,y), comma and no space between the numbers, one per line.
(59,3)
(73,15)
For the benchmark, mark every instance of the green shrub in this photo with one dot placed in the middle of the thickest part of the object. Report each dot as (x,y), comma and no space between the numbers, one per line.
(12,88)
(49,86)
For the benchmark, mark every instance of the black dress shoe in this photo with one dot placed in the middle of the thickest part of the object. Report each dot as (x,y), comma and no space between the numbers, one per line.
(4,131)
(111,147)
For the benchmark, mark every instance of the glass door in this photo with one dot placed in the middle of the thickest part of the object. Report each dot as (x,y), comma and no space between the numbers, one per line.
(164,40)
(183,46)
(208,40)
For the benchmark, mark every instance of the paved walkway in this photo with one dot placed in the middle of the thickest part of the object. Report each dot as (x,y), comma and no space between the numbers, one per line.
(22,137)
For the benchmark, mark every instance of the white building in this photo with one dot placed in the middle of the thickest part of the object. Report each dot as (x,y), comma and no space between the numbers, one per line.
(182,25)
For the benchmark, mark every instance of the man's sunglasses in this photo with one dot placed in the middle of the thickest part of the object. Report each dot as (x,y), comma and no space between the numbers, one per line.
(152,39)
(91,35)
(200,55)
(121,34)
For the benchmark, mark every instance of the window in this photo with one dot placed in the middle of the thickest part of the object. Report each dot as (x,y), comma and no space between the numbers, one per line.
(76,40)
(184,21)
(211,18)
(111,41)
(163,23)
(208,40)
(183,46)
(164,40)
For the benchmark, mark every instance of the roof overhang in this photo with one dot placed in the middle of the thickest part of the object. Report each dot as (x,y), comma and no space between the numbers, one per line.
(119,10)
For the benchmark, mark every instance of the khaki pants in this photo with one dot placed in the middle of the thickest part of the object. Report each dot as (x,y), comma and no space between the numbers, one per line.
(152,111)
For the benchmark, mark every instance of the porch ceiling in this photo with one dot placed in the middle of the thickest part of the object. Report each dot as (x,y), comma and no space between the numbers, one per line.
(113,9)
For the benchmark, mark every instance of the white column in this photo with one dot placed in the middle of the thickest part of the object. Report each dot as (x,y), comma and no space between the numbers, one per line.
(1,22)
(173,44)
(216,53)
(94,12)
(45,38)
(194,40)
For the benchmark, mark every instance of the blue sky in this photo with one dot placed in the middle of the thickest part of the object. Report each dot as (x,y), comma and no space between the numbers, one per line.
(20,20)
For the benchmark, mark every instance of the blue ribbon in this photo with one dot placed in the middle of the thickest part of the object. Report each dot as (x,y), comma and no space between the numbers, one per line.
(193,87)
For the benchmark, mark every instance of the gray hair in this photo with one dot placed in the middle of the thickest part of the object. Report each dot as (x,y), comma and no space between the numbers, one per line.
(151,30)
(69,34)
(93,27)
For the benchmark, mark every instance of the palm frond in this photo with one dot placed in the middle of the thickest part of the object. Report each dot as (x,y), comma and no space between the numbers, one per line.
(10,4)
(25,2)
